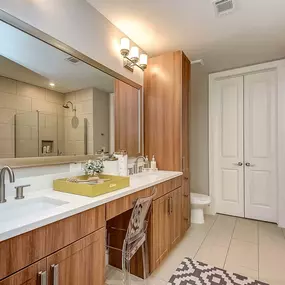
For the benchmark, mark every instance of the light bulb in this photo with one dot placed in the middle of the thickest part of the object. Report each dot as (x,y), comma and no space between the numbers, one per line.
(143,61)
(135,54)
(51,84)
(125,46)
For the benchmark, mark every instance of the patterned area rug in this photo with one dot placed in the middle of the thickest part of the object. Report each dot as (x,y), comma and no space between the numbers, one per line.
(198,273)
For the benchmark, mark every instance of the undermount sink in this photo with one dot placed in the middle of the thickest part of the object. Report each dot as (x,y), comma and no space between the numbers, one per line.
(147,175)
(14,210)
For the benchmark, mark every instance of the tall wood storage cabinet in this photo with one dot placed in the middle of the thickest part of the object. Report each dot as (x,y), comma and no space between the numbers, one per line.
(166,118)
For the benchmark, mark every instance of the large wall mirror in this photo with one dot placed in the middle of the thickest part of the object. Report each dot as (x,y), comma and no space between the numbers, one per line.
(53,104)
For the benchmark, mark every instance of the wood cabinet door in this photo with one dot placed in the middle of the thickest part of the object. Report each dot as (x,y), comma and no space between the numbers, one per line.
(175,216)
(159,243)
(31,275)
(186,70)
(81,263)
(186,217)
(127,118)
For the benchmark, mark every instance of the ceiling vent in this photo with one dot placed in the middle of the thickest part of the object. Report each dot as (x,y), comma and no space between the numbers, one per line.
(73,60)
(223,7)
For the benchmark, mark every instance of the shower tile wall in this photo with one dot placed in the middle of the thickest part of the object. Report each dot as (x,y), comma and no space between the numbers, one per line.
(74,137)
(18,97)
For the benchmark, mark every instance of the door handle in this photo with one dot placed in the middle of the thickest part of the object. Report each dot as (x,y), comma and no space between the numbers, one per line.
(238,164)
(55,268)
(42,278)
(168,206)
(248,164)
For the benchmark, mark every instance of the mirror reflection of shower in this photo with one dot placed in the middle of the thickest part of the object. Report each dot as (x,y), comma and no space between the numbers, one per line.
(74,120)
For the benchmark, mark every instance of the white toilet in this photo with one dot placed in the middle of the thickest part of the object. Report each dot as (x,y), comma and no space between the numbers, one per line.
(198,203)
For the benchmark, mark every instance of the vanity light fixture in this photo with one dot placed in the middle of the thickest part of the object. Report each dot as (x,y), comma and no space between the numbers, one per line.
(132,56)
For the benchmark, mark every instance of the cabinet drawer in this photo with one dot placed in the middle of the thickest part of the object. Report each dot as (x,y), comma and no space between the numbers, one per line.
(67,231)
(168,186)
(27,276)
(119,206)
(23,250)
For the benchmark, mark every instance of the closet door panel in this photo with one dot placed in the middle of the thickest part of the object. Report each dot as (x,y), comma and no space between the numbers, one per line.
(228,148)
(260,109)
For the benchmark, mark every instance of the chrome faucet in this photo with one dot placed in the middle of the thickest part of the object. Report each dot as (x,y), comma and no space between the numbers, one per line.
(136,163)
(2,181)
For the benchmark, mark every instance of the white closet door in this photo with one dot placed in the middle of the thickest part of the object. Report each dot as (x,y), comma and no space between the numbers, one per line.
(228,133)
(260,126)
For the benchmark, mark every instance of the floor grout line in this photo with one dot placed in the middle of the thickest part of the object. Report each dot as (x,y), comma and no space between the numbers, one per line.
(206,236)
(230,243)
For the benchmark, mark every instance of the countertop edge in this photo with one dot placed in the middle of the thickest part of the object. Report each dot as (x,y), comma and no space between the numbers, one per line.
(106,198)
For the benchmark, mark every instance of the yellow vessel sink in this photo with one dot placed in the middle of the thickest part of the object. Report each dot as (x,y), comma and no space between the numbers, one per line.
(111,184)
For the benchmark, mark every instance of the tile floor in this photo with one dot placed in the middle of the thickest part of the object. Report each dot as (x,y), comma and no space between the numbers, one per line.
(251,248)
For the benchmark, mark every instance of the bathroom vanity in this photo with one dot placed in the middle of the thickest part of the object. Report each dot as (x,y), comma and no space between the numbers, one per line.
(66,245)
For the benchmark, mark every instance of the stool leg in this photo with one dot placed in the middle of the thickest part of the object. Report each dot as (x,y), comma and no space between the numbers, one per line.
(145,260)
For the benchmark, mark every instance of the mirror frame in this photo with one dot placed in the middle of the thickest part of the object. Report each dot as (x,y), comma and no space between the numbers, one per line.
(57,160)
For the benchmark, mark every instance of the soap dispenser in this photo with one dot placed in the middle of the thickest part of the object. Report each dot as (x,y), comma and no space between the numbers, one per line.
(153,163)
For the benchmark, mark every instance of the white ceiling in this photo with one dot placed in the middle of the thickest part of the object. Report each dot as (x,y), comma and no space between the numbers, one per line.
(27,59)
(253,33)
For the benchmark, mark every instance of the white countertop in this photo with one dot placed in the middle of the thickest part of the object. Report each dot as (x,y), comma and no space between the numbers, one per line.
(13,225)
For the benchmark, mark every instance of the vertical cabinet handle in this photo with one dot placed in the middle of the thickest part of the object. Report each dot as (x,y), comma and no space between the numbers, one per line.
(55,268)
(183,163)
(42,277)
(168,206)
(171,204)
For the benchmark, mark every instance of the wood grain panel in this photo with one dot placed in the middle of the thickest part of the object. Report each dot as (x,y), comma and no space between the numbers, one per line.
(162,110)
(186,72)
(175,217)
(117,207)
(64,232)
(159,231)
(23,250)
(127,115)
(81,263)
(27,276)
(168,186)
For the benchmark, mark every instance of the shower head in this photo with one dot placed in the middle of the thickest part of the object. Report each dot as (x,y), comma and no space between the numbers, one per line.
(67,107)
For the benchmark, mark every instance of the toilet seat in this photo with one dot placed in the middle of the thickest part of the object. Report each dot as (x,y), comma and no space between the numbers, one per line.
(200,199)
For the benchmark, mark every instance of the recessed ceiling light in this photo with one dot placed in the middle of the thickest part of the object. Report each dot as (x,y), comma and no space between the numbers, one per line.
(51,84)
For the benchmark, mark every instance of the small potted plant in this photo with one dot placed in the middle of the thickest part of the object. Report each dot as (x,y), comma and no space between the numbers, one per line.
(93,167)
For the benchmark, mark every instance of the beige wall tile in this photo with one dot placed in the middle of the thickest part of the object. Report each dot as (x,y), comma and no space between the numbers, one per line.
(24,133)
(6,132)
(26,148)
(43,106)
(84,95)
(7,116)
(14,102)
(27,119)
(28,90)
(8,85)
(54,97)
(84,107)
(7,148)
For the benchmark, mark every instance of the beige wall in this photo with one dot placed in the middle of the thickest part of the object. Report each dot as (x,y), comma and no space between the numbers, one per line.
(101,120)
(17,98)
(199,157)
(74,137)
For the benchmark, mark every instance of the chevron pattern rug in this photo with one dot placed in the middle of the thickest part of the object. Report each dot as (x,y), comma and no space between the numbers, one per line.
(191,272)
